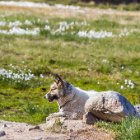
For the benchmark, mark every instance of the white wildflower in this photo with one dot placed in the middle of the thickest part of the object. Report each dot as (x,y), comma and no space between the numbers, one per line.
(20,75)
(20,31)
(47,21)
(98,82)
(41,76)
(27,22)
(132,86)
(2,23)
(47,28)
(129,82)
(15,24)
(124,32)
(122,67)
(94,34)
(128,86)
(122,87)
(105,61)
(126,81)
(3,32)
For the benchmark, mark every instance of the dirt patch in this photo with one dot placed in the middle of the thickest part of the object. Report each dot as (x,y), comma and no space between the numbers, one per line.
(71,130)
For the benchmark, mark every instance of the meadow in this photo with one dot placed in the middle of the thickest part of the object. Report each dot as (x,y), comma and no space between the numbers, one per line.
(92,48)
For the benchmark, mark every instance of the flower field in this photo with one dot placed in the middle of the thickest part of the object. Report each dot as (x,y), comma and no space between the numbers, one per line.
(94,49)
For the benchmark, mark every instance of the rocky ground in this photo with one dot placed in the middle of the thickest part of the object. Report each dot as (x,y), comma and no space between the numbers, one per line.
(69,130)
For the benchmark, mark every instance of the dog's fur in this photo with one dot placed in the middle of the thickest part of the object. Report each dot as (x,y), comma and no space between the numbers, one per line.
(71,100)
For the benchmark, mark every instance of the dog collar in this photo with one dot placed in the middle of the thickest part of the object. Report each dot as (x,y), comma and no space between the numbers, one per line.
(67,102)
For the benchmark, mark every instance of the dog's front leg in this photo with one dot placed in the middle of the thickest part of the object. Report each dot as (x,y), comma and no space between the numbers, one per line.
(58,114)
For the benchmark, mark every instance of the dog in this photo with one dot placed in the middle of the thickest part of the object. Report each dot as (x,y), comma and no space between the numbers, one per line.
(71,100)
(75,103)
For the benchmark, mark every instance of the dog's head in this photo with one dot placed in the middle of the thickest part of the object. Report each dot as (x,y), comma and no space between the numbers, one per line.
(59,89)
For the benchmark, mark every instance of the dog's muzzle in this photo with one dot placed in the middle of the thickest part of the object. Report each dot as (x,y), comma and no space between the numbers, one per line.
(51,97)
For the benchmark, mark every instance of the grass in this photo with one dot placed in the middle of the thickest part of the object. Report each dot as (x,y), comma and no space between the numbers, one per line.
(123,6)
(128,129)
(99,64)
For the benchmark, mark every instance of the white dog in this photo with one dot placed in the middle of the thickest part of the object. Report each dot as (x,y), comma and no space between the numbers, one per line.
(74,103)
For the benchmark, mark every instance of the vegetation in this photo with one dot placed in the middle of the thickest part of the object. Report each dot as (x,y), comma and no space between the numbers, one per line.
(127,130)
(103,63)
(112,1)
(128,5)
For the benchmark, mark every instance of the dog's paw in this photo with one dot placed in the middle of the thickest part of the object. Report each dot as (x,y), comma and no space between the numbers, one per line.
(51,116)
(54,115)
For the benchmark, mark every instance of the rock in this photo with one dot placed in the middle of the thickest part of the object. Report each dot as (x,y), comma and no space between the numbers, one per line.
(5,125)
(35,128)
(137,108)
(39,138)
(2,133)
(89,118)
(109,106)
(55,124)
(71,130)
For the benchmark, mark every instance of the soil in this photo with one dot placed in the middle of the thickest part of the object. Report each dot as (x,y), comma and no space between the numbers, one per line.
(70,130)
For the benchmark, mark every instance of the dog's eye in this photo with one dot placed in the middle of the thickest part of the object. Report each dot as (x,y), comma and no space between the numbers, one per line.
(53,89)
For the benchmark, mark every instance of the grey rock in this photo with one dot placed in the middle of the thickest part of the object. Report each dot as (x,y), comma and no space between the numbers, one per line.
(110,106)
(2,133)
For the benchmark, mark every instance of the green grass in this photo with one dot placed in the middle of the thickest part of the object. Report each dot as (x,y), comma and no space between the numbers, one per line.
(128,129)
(99,64)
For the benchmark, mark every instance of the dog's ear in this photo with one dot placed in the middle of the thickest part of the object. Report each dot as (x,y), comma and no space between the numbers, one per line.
(58,80)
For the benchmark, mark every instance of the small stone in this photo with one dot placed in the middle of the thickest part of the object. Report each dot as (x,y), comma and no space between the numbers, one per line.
(40,138)
(36,127)
(71,130)
(19,131)
(65,126)
(5,125)
(2,133)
